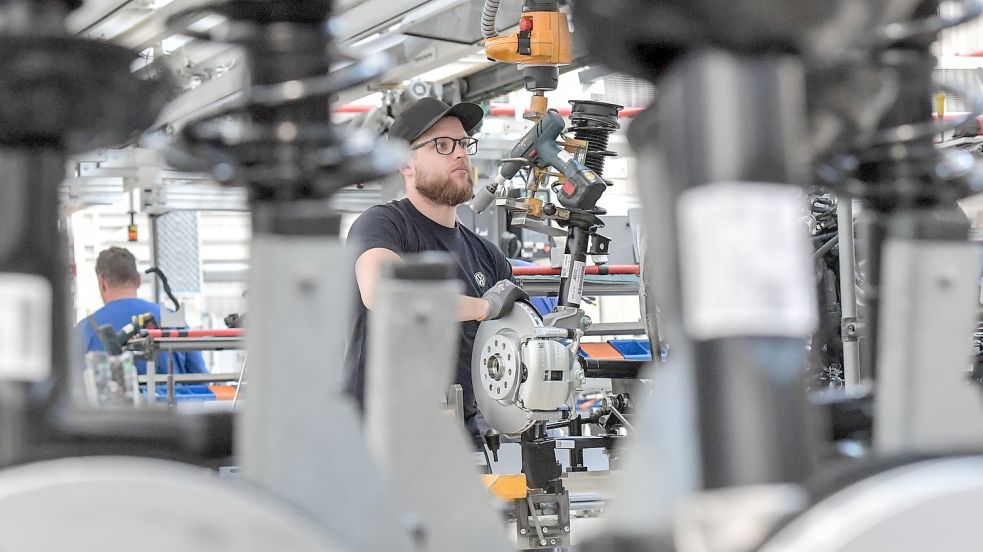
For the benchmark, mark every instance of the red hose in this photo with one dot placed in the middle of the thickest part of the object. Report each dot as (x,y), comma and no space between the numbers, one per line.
(595,269)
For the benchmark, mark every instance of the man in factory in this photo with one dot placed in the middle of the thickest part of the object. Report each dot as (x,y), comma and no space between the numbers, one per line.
(116,270)
(438,178)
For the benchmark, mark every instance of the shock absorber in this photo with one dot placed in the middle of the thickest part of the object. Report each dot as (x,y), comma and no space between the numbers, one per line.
(279,141)
(594,122)
(900,167)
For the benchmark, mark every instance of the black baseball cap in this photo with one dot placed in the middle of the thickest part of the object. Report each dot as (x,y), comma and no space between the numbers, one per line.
(425,112)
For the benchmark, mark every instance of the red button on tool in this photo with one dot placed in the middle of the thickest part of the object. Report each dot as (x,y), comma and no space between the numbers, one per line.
(525,24)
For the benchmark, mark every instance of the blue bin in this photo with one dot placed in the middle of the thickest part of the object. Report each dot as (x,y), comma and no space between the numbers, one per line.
(632,349)
(183,392)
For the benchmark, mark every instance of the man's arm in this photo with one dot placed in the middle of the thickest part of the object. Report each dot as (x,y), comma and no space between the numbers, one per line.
(368,267)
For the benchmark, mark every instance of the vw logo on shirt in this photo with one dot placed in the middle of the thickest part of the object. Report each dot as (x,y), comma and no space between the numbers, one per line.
(479,278)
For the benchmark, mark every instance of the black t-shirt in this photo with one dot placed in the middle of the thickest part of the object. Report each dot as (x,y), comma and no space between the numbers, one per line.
(399,227)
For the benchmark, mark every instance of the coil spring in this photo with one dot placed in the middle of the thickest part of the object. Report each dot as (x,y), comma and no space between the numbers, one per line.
(594,122)
(279,140)
(83,95)
(888,38)
(879,160)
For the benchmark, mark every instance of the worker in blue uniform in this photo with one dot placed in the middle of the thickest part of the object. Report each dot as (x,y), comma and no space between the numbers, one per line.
(116,269)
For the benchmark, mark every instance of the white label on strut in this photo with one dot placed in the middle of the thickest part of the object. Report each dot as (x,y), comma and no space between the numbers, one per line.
(25,327)
(576,290)
(565,444)
(746,261)
(565,268)
(565,156)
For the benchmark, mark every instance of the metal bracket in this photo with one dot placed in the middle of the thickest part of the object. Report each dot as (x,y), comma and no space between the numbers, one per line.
(852,329)
(545,531)
(522,221)
(568,318)
(455,402)
(599,245)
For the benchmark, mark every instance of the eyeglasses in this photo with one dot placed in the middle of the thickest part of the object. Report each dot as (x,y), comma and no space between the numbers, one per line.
(445,145)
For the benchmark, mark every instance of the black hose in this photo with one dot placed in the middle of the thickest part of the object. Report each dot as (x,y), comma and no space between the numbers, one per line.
(615,369)
(825,248)
(488,14)
(165,285)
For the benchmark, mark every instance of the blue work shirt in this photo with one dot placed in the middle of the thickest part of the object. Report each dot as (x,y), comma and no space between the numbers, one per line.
(119,313)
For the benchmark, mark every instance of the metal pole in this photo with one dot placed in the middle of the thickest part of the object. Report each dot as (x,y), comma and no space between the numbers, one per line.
(574,267)
(296,334)
(169,365)
(413,339)
(745,259)
(151,375)
(848,294)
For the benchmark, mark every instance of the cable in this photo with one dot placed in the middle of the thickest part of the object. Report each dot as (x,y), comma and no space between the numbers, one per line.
(484,449)
(242,373)
(488,14)
(535,520)
(825,248)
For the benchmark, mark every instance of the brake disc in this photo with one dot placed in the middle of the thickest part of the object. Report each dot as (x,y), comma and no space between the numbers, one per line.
(496,370)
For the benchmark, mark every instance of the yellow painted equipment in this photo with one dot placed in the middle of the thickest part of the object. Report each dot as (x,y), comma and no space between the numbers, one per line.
(543,39)
(506,486)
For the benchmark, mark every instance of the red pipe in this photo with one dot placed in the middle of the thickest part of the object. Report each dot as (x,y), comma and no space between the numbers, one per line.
(220,332)
(354,108)
(594,269)
(953,116)
(956,116)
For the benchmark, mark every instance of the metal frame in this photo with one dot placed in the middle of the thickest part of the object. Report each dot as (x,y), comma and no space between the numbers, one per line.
(925,401)
(301,283)
(539,534)
(149,347)
(413,334)
(593,285)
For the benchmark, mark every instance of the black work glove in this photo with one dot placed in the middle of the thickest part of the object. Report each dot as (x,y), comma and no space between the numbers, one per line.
(502,297)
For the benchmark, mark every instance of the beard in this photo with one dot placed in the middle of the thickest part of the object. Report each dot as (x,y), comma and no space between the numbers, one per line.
(444,189)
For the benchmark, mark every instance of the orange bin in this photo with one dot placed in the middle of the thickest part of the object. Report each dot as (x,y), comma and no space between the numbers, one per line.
(223,392)
(601,351)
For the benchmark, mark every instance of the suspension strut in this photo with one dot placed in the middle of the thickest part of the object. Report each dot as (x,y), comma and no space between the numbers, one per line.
(897,166)
(593,122)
